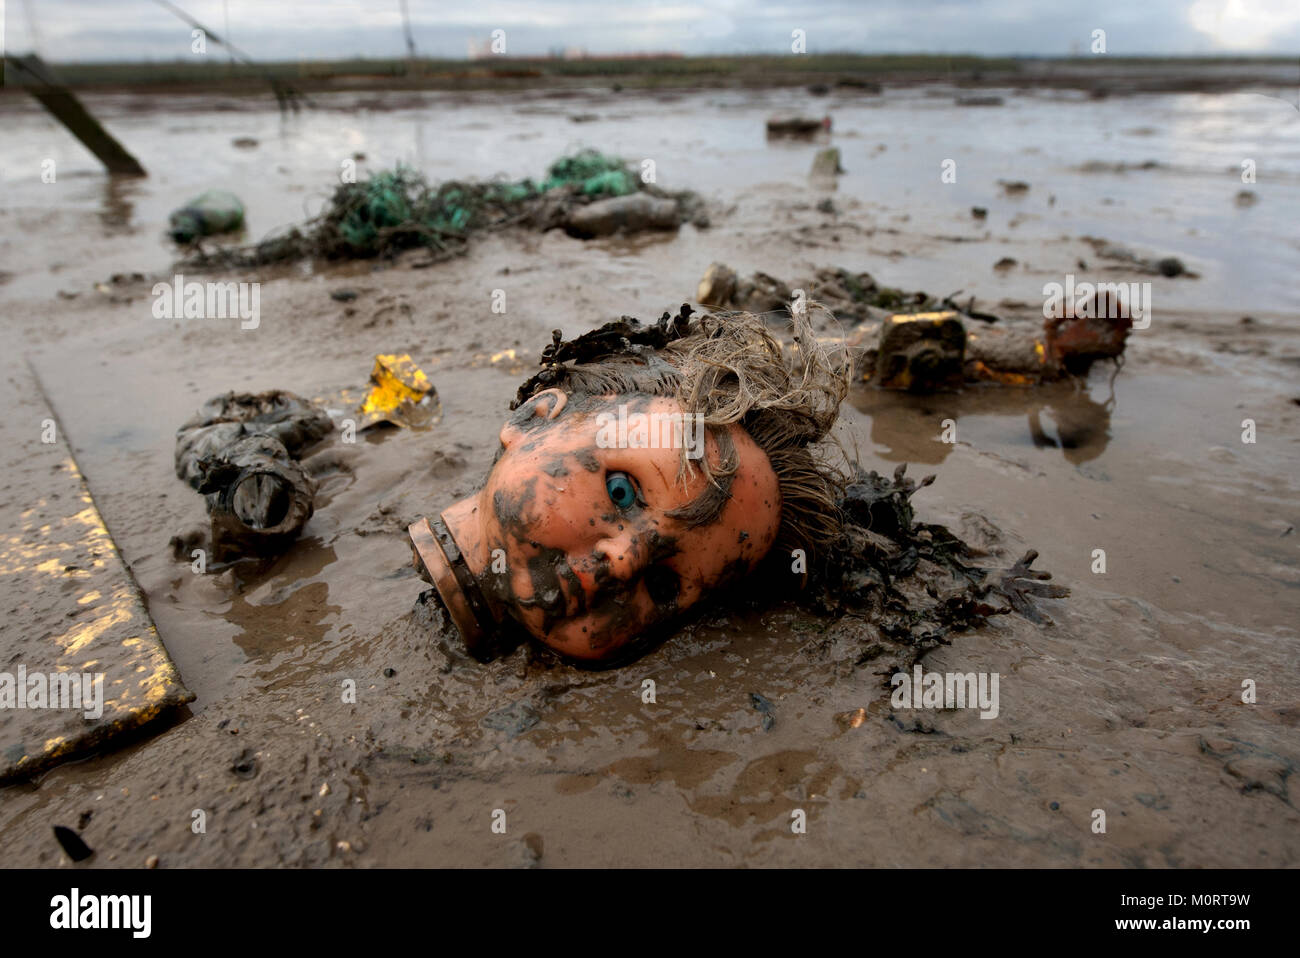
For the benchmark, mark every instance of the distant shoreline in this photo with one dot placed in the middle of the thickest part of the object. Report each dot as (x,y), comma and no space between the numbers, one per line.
(1101,75)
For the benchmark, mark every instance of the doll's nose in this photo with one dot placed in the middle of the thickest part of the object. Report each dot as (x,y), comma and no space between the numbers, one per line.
(621,555)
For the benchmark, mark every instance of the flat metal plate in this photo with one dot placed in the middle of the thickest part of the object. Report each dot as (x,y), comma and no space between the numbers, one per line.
(70,604)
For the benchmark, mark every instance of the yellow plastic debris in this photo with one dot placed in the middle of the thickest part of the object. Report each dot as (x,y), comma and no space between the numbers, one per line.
(400,393)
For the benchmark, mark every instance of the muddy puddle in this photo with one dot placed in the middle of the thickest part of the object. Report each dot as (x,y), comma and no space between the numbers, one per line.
(1129,702)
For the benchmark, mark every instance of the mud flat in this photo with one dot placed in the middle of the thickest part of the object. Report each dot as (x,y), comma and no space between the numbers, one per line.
(1131,702)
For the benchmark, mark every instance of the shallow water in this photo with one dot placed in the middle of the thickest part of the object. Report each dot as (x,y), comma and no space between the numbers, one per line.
(893,147)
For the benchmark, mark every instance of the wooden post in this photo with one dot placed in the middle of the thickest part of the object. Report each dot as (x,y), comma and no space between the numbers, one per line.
(67,109)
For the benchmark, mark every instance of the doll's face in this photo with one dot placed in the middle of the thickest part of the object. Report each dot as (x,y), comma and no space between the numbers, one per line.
(602,534)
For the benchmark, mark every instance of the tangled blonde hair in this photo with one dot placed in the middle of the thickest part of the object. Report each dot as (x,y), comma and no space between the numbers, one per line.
(730,369)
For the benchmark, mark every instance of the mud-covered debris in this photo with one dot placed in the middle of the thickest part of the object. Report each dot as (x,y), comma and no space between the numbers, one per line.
(392,211)
(1169,266)
(718,285)
(916,582)
(245,765)
(1014,187)
(921,356)
(765,707)
(343,295)
(210,214)
(797,125)
(980,99)
(857,83)
(921,352)
(850,296)
(622,214)
(72,843)
(826,164)
(240,452)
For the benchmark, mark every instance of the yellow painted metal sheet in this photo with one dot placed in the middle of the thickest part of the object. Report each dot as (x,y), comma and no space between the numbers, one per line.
(80,660)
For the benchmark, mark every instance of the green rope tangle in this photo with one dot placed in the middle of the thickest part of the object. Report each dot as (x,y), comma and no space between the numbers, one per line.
(396,210)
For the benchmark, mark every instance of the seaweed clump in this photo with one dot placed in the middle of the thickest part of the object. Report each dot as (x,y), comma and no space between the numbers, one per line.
(917,582)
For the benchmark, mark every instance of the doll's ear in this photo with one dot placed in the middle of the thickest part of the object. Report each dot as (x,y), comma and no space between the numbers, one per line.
(547,404)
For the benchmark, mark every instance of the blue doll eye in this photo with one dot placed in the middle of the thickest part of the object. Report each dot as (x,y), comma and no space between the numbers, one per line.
(621,489)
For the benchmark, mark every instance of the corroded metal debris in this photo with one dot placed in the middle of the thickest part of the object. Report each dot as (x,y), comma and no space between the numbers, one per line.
(240,452)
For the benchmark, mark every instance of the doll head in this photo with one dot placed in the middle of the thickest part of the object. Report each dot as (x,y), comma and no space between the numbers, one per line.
(641,471)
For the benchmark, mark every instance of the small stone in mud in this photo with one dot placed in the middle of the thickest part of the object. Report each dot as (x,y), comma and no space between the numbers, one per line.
(343,295)
(1247,198)
(245,766)
(72,844)
(151,861)
(826,164)
(1055,806)
(1014,187)
(826,206)
(1171,266)
(1005,262)
(527,852)
(389,673)
(979,212)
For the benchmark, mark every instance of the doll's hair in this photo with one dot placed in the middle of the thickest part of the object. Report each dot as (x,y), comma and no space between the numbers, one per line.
(729,368)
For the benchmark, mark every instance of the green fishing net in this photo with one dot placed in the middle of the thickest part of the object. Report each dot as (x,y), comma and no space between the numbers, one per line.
(397,209)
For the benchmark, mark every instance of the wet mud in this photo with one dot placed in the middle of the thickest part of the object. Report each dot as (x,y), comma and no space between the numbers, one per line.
(334,724)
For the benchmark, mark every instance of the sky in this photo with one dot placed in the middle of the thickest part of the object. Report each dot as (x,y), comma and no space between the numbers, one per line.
(66,30)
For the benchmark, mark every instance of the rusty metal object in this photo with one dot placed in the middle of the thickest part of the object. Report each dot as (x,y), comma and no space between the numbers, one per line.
(921,352)
(1098,330)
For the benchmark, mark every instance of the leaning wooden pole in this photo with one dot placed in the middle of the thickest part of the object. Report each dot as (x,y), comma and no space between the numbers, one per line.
(67,109)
